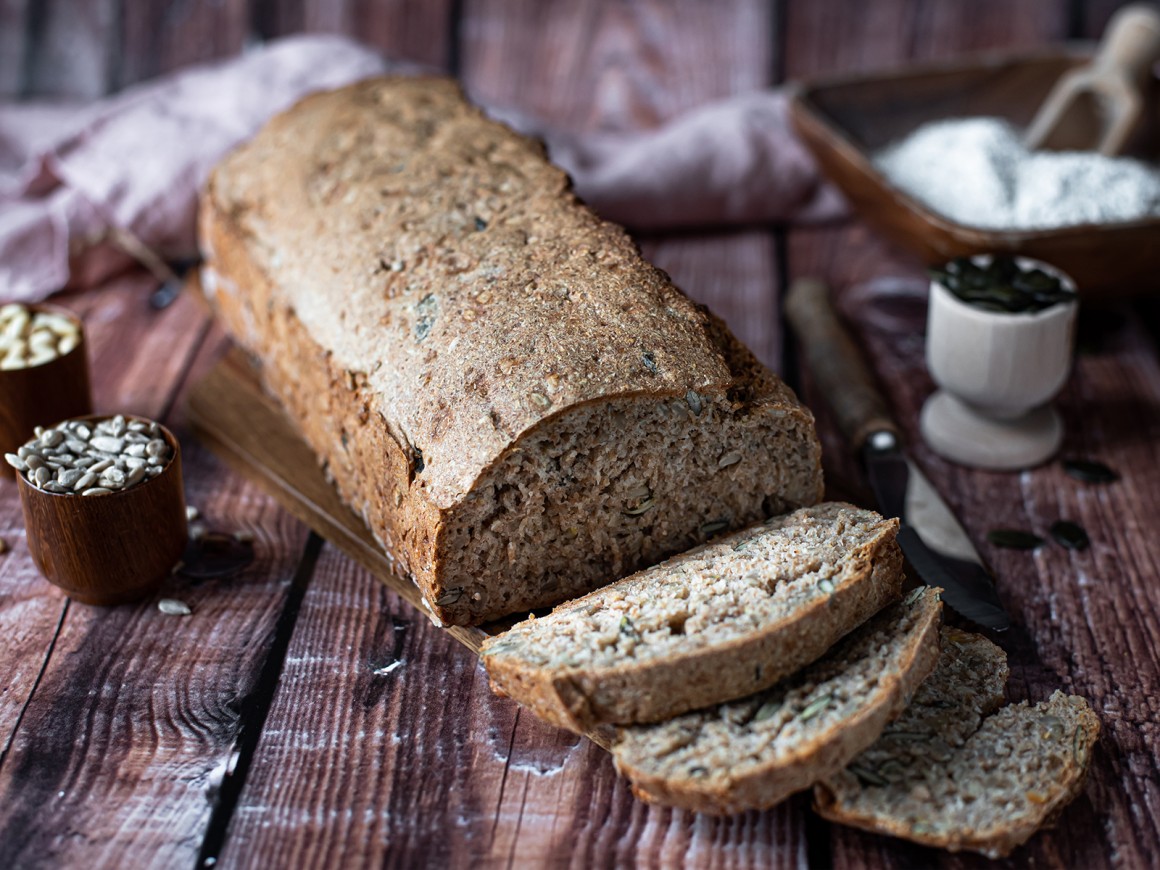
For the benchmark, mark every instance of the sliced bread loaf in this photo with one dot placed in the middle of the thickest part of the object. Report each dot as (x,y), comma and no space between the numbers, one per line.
(754,753)
(713,624)
(519,406)
(946,774)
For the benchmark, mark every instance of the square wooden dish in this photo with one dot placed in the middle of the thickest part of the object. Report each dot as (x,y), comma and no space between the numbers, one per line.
(845,119)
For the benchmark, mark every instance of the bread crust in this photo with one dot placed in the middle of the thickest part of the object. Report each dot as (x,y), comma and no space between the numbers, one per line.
(418,331)
(651,691)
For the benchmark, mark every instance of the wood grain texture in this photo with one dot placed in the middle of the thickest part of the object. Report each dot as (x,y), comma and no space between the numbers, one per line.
(159,36)
(72,48)
(418,32)
(14,46)
(132,709)
(1081,622)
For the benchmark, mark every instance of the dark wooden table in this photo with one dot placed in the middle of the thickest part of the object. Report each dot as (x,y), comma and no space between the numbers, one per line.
(266,729)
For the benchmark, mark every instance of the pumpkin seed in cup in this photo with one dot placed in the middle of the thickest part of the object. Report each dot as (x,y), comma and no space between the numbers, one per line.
(1002,285)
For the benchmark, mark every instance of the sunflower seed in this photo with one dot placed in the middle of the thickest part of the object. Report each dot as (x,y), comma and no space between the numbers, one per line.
(815,707)
(866,776)
(191,513)
(97,490)
(108,444)
(15,461)
(86,480)
(69,476)
(245,536)
(766,710)
(51,438)
(694,402)
(42,476)
(173,607)
(643,507)
(714,527)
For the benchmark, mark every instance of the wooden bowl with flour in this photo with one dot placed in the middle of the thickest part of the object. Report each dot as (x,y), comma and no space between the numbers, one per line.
(846,120)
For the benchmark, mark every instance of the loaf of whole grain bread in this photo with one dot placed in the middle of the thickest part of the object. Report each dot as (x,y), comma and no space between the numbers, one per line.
(519,406)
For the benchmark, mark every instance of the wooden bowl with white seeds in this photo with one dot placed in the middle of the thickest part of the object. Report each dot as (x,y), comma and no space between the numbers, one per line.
(44,371)
(104,505)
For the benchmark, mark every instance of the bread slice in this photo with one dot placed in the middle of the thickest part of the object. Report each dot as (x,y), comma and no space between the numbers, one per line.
(947,775)
(754,753)
(713,624)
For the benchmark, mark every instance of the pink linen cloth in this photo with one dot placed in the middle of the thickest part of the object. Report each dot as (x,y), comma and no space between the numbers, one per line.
(82,186)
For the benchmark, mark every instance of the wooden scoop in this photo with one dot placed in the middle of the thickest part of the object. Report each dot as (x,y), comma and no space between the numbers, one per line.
(1096,107)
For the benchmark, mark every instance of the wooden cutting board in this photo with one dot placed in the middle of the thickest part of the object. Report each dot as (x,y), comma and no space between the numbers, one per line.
(230,411)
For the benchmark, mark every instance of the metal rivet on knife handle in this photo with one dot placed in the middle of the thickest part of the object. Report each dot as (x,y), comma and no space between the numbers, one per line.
(836,362)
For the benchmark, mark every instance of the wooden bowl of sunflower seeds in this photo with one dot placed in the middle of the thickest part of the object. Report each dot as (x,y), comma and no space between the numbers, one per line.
(104,505)
(44,371)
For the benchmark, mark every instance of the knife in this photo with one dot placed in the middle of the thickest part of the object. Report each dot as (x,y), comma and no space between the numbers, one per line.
(932,539)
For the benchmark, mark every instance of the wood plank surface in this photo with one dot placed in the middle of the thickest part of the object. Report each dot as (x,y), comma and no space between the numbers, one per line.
(1084,621)
(72,48)
(14,46)
(133,709)
(159,36)
(418,32)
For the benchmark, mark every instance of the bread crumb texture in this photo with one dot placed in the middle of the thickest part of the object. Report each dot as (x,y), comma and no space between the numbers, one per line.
(947,774)
(755,752)
(709,625)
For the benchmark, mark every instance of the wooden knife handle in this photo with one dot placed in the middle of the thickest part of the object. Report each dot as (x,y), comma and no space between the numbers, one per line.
(836,363)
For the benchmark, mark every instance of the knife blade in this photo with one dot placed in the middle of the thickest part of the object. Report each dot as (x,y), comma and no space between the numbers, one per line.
(931,538)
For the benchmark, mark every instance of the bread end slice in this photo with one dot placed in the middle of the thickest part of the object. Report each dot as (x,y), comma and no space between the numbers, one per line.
(754,753)
(940,778)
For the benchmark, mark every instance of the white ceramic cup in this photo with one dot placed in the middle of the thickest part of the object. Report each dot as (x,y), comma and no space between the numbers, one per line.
(997,371)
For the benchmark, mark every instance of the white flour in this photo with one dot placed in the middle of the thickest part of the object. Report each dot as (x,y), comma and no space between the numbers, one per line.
(976,171)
